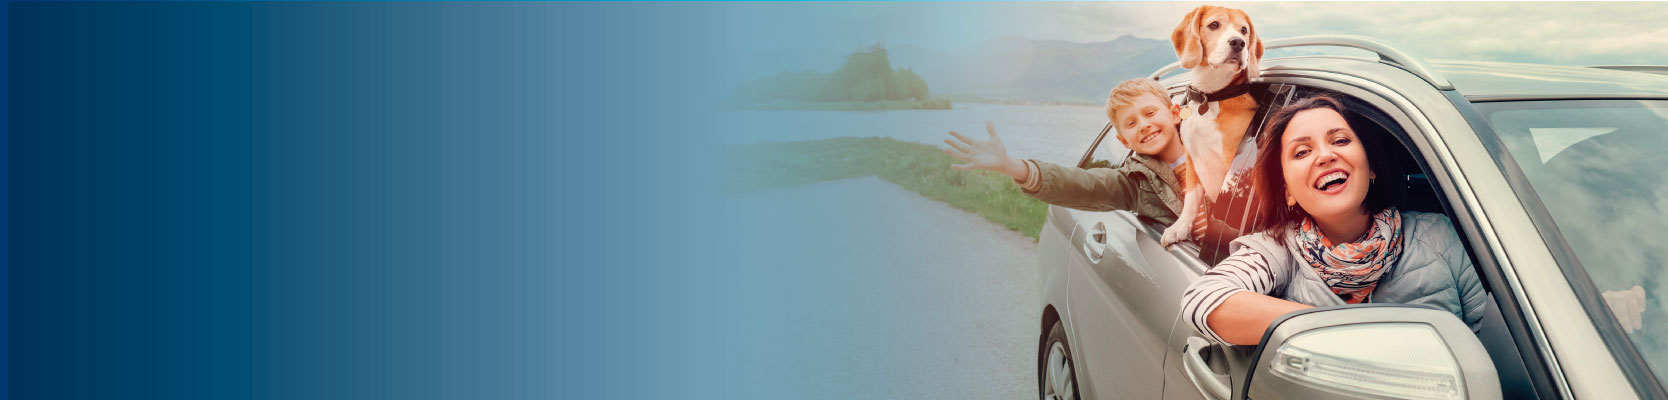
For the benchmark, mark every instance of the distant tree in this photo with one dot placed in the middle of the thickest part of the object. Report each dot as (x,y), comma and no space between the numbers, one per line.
(909,85)
(867,75)
(869,90)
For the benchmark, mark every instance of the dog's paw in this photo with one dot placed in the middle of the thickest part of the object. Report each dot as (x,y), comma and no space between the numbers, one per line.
(1177,233)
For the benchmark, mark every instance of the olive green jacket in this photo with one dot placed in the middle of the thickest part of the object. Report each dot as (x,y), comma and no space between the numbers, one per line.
(1142,185)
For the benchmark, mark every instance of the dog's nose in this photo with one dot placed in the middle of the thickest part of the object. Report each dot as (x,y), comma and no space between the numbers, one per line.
(1237,44)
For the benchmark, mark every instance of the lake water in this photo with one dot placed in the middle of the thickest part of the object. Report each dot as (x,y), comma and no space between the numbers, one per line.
(1057,134)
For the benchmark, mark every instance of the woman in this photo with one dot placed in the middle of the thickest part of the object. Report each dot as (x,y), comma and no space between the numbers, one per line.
(1329,235)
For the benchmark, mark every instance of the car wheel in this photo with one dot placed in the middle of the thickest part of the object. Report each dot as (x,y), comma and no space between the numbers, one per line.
(1059,373)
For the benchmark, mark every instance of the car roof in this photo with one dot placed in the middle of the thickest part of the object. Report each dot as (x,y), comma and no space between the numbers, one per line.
(1482,81)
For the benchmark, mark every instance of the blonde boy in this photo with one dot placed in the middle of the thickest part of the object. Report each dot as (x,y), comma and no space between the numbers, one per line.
(1147,183)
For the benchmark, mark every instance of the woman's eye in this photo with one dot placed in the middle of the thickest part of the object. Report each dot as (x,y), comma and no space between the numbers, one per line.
(1149,113)
(1300,153)
(1214,25)
(1244,30)
(1340,142)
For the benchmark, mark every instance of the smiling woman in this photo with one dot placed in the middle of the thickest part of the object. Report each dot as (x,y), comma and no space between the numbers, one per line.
(1327,235)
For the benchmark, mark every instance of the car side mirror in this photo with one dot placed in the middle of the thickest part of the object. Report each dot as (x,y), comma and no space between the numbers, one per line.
(1379,351)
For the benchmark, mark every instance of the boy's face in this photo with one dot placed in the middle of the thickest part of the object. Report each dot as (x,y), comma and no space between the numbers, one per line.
(1148,125)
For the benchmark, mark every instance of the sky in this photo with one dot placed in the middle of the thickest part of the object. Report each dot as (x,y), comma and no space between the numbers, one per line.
(1591,33)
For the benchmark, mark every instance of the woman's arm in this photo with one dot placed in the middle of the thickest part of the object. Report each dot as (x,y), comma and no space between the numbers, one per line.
(1230,303)
(1244,316)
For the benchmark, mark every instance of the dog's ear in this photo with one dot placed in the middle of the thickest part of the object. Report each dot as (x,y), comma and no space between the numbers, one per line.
(1190,48)
(1254,68)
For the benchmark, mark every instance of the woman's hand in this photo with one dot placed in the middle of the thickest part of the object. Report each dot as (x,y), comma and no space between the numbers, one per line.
(987,155)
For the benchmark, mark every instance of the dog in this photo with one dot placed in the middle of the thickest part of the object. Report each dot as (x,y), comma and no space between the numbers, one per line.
(1221,47)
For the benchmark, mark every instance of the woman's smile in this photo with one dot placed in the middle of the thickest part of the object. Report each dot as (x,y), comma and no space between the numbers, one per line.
(1332,182)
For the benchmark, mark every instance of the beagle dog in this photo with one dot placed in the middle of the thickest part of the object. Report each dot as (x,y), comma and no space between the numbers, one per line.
(1220,46)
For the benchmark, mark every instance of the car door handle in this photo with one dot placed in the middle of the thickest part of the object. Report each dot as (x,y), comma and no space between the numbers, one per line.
(1213,385)
(1094,245)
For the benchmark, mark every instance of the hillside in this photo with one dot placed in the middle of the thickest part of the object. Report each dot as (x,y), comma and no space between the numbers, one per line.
(1018,69)
(866,81)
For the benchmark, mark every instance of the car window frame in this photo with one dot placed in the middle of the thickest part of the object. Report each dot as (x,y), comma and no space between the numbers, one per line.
(1190,251)
(1529,340)
(1187,252)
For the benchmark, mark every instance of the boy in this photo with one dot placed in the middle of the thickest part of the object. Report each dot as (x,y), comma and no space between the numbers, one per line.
(1146,184)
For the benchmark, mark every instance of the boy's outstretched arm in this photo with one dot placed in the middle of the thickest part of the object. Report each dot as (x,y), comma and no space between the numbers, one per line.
(988,155)
(1097,189)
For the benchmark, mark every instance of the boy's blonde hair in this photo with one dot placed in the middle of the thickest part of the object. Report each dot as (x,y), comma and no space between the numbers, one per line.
(1127,91)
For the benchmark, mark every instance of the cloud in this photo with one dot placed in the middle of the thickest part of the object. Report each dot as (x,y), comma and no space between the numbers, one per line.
(800,36)
(1563,33)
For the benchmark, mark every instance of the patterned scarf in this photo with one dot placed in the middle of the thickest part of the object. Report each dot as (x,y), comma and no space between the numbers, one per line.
(1352,269)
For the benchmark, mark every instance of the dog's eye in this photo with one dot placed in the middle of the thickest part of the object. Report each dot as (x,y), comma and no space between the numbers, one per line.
(1214,25)
(1243,30)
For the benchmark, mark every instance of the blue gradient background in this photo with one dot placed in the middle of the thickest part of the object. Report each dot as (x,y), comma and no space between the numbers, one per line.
(372,200)
(520,200)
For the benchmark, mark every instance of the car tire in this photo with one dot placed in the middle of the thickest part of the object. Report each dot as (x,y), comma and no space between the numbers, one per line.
(1056,371)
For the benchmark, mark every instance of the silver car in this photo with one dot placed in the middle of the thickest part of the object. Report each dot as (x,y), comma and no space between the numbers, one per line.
(1556,179)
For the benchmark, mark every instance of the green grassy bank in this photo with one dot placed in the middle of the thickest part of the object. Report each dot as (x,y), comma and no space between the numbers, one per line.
(918,167)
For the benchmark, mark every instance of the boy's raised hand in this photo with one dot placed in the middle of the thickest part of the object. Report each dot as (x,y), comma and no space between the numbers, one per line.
(987,155)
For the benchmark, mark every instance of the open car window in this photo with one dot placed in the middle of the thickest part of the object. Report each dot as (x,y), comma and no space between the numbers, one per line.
(1230,212)
(1234,209)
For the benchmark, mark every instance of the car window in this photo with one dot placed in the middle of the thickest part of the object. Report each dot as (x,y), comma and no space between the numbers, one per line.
(1598,167)
(1232,211)
(1109,153)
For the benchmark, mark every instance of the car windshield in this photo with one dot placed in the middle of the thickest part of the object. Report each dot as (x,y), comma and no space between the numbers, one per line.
(1601,169)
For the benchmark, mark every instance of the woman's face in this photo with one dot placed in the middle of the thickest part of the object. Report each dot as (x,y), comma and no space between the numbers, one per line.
(1324,165)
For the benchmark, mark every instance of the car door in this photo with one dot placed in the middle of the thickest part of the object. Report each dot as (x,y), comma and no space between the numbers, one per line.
(1124,287)
(1191,260)
(1117,333)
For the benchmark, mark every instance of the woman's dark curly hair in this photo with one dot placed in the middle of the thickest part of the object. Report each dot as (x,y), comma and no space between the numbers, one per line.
(1269,180)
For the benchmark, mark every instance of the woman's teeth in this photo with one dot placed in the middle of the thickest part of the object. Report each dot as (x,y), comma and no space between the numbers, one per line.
(1326,181)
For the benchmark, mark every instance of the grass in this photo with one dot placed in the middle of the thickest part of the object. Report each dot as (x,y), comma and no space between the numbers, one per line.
(918,167)
(929,104)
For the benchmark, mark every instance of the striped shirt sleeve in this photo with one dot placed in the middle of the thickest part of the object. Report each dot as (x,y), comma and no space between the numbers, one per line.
(1244,270)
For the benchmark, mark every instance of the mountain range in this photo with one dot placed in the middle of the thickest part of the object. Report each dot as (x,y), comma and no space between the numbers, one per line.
(1027,70)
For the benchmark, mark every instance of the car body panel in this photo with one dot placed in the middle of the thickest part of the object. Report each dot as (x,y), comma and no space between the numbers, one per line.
(1121,349)
(1574,341)
(1498,216)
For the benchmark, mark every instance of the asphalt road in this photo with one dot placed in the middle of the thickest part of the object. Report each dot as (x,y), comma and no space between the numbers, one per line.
(872,291)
